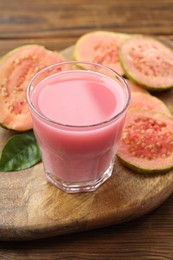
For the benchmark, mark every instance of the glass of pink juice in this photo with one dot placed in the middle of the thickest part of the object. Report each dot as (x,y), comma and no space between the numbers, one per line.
(78,111)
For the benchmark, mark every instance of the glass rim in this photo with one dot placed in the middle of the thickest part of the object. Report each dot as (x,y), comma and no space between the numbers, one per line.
(119,77)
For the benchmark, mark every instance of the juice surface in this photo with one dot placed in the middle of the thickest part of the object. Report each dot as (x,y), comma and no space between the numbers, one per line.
(78,98)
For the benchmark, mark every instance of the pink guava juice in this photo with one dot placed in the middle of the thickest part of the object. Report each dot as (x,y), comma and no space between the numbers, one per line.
(78,118)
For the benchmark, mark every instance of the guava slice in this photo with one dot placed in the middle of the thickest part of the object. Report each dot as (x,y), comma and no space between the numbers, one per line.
(146,144)
(100,47)
(149,102)
(136,88)
(148,62)
(16,70)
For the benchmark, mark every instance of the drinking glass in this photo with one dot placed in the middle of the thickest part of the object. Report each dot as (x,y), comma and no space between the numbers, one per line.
(78,111)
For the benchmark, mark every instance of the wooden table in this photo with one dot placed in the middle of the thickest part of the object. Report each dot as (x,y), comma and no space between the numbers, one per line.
(57,24)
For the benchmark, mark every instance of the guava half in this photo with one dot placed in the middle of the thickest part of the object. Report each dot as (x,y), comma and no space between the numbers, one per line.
(16,70)
(146,144)
(100,47)
(148,62)
(149,102)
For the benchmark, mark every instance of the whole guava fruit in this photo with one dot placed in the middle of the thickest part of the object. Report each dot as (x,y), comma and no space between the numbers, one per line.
(146,144)
(148,62)
(17,68)
(100,47)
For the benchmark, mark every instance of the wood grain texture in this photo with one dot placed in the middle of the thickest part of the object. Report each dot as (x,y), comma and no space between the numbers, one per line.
(58,24)
(58,18)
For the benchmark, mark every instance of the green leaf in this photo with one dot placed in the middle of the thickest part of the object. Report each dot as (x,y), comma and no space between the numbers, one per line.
(20,152)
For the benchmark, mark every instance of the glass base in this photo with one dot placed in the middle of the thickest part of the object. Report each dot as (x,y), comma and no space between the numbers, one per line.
(75,187)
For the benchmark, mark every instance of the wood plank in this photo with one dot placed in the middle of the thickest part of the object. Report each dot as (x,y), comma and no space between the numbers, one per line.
(62,19)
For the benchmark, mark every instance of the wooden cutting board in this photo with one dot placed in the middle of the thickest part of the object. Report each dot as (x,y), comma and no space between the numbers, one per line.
(32,208)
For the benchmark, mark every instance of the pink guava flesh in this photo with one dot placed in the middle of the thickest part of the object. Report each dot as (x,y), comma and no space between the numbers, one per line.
(147,141)
(16,70)
(100,47)
(148,62)
(149,102)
